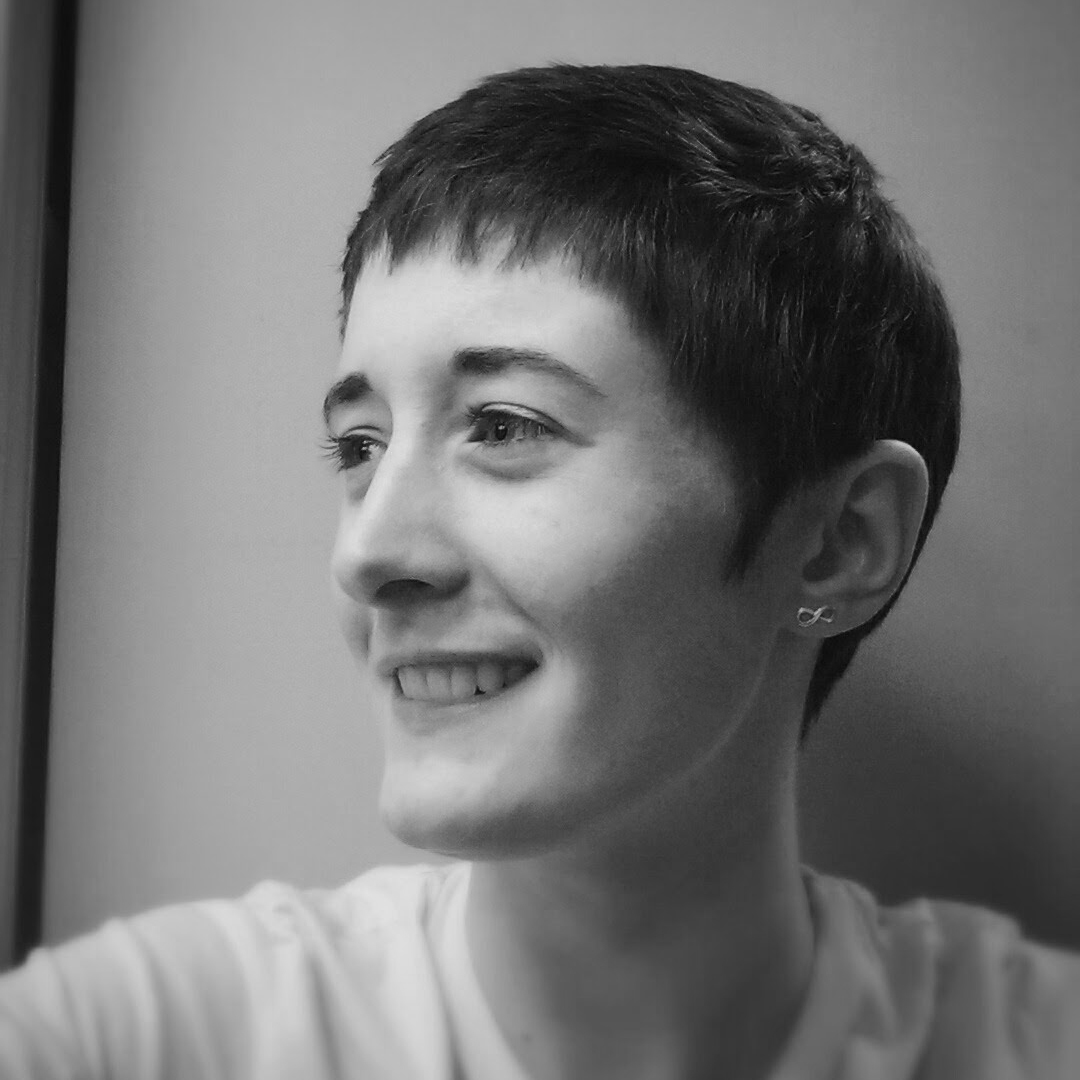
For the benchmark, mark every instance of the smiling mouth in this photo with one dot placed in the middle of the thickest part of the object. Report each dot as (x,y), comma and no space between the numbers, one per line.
(451,684)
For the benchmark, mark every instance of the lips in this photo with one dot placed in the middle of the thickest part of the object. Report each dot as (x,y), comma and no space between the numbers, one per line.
(459,681)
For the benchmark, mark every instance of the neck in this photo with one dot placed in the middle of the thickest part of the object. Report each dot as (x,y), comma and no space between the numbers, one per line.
(681,950)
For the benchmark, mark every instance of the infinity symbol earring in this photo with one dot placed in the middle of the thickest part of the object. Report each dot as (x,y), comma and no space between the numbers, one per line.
(809,616)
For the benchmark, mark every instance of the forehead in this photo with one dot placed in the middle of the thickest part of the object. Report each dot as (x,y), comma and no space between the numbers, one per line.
(432,304)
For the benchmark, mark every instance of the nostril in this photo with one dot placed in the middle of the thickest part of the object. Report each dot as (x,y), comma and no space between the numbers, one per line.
(401,590)
(409,578)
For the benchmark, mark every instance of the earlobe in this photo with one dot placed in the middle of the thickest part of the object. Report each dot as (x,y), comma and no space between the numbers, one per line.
(872,509)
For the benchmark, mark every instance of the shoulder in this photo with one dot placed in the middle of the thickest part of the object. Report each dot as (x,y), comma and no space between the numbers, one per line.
(978,998)
(282,974)
(271,933)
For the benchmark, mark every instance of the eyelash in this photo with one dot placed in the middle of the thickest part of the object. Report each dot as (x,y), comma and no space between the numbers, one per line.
(529,427)
(348,451)
(352,450)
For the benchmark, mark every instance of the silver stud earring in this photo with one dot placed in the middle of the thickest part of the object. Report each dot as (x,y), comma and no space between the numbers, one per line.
(809,616)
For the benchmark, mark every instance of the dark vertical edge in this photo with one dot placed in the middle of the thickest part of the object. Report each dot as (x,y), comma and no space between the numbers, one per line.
(30,854)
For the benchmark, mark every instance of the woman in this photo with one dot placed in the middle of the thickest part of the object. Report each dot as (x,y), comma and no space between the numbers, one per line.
(646,404)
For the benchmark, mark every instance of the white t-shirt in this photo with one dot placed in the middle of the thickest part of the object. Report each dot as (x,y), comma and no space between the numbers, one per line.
(373,980)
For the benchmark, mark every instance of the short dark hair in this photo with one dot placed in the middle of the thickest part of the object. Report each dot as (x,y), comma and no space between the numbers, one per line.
(800,318)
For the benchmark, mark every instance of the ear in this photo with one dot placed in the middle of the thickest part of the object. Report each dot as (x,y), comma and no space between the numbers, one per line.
(863,541)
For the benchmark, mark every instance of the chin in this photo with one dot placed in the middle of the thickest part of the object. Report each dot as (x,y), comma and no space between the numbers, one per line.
(466,823)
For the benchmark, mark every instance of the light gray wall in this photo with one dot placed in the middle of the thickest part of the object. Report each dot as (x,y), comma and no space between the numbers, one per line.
(208,731)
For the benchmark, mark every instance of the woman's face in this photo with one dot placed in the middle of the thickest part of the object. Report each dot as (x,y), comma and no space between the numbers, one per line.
(531,558)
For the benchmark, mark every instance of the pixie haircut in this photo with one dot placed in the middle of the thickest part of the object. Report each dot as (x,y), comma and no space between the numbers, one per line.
(799,317)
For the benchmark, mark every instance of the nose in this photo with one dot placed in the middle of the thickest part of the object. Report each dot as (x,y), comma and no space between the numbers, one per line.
(395,545)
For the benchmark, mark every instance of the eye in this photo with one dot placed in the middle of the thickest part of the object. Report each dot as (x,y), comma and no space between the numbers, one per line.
(500,427)
(351,450)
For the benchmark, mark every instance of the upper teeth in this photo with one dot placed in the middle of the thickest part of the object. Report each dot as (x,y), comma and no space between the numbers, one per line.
(458,682)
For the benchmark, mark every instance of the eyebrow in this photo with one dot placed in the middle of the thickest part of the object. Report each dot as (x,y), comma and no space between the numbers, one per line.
(495,359)
(347,390)
(478,361)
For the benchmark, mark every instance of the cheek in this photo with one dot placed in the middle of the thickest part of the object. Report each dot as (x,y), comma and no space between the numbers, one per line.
(640,576)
